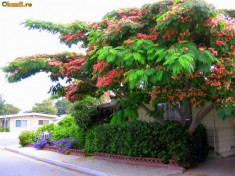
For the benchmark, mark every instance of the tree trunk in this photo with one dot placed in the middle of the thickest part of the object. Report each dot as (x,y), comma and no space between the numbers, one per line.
(199,117)
(182,117)
(183,114)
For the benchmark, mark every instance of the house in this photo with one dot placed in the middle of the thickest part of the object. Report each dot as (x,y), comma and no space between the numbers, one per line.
(220,133)
(26,121)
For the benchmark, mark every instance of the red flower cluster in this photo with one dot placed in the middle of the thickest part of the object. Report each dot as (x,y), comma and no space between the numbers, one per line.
(220,43)
(130,42)
(70,37)
(214,52)
(73,66)
(55,63)
(159,67)
(150,37)
(100,66)
(174,96)
(109,78)
(185,19)
(71,92)
(182,36)
(168,34)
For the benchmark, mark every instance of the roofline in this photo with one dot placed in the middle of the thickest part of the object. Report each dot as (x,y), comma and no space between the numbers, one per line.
(28,114)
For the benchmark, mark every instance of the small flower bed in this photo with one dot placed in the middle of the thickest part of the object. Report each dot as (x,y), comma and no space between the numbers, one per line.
(65,144)
(62,144)
(44,140)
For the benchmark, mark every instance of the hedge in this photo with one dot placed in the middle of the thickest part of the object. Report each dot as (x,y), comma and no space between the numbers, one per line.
(142,139)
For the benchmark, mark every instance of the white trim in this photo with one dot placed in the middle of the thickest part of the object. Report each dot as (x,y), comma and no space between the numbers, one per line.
(28,114)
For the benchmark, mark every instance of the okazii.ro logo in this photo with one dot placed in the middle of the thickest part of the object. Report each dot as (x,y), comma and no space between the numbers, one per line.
(14,4)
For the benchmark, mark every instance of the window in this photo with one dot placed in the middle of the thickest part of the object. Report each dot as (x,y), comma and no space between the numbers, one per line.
(171,113)
(5,123)
(43,122)
(21,123)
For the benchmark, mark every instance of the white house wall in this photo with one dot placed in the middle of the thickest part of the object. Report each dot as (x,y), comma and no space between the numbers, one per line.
(221,133)
(32,122)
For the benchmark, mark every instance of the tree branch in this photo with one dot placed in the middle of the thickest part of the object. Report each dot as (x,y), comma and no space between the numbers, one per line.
(199,112)
(199,117)
(147,110)
(206,111)
(183,115)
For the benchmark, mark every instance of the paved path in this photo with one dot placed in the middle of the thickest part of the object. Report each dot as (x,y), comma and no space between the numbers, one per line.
(212,167)
(100,166)
(16,165)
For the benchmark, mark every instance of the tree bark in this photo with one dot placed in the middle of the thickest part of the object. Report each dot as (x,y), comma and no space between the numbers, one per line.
(182,117)
(183,114)
(199,117)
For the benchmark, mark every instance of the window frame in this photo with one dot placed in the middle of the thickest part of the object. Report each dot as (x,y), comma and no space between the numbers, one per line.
(43,122)
(22,123)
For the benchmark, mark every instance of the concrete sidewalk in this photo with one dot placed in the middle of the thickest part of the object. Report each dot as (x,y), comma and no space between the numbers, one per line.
(89,165)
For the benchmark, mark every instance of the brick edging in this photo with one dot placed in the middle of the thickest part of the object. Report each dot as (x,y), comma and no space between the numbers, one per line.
(75,152)
(147,162)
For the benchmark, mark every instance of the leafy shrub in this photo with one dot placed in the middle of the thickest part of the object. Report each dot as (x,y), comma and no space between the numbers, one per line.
(4,129)
(67,143)
(46,128)
(45,139)
(87,115)
(142,139)
(67,128)
(27,137)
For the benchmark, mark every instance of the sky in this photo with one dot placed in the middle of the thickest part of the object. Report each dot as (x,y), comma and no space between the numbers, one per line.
(16,40)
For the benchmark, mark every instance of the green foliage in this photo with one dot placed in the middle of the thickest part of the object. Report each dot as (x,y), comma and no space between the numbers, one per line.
(13,110)
(67,128)
(45,107)
(62,106)
(3,106)
(27,137)
(4,129)
(46,128)
(230,12)
(142,139)
(87,115)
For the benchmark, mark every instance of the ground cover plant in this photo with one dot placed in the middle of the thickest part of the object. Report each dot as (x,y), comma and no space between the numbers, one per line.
(44,140)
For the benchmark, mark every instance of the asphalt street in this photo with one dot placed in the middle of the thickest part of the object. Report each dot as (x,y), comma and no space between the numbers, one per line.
(7,142)
(12,164)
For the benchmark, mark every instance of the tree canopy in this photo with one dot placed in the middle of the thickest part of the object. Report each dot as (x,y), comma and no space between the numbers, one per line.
(176,52)
(6,109)
(45,107)
(3,106)
(62,106)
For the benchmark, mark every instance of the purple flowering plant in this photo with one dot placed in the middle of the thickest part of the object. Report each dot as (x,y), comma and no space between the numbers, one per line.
(65,144)
(44,140)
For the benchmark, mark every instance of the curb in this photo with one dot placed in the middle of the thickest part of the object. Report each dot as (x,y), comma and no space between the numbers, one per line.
(65,165)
